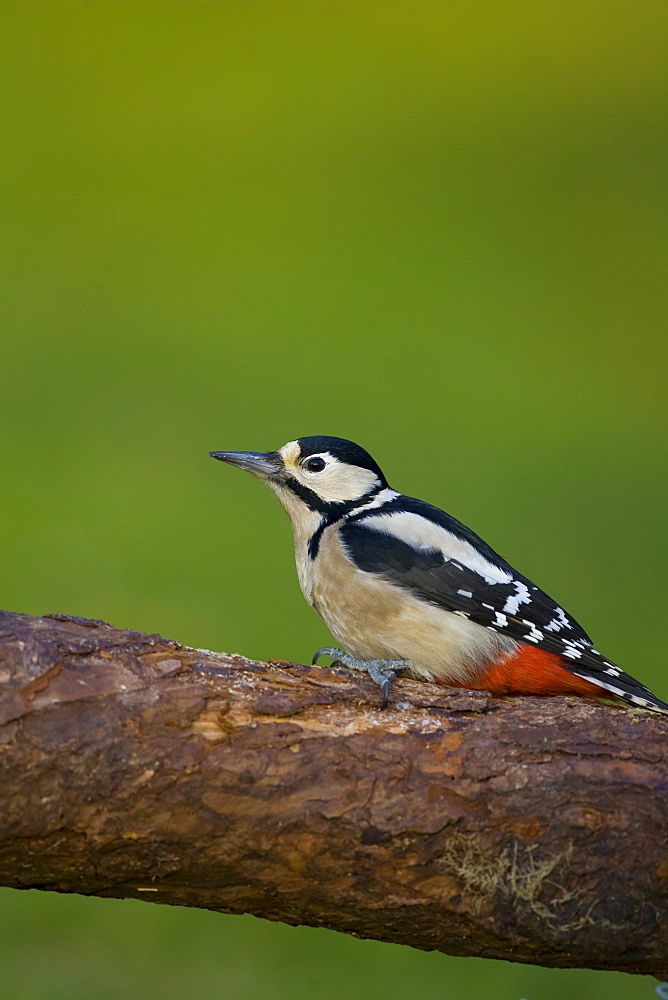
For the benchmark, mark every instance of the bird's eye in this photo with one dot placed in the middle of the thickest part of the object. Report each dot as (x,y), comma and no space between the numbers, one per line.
(316,464)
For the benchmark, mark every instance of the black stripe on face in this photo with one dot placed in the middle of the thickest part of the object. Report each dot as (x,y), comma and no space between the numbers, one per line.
(331,512)
(314,540)
(309,497)
(329,508)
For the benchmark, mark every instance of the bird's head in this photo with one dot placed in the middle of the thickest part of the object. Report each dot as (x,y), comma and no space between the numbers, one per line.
(324,474)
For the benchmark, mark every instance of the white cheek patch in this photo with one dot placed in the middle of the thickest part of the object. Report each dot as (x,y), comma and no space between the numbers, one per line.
(338,482)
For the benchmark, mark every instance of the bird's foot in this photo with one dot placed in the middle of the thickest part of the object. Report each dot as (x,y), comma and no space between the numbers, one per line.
(383,672)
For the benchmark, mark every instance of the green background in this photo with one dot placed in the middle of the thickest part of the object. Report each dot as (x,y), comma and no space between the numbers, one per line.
(438,229)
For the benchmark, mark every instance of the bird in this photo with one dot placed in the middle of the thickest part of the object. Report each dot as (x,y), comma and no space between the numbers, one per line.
(407,589)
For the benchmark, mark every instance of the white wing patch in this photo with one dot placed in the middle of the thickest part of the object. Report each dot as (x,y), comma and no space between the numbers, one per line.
(423,534)
(522,596)
(558,622)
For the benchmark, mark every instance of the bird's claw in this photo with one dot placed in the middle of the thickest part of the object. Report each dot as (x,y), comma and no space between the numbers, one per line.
(382,672)
(326,651)
(383,678)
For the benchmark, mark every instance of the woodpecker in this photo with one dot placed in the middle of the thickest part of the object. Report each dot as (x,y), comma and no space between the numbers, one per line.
(406,588)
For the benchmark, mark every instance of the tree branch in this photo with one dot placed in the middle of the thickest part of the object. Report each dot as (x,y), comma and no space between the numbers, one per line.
(529,829)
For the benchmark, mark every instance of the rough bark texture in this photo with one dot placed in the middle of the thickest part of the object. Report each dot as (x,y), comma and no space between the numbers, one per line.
(527,829)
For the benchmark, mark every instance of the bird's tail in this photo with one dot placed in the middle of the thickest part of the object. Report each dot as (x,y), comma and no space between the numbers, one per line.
(529,670)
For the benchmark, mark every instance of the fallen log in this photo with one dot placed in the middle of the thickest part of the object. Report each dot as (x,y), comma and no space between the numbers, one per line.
(526,829)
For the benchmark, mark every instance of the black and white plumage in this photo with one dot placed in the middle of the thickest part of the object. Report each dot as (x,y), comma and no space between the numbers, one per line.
(402,584)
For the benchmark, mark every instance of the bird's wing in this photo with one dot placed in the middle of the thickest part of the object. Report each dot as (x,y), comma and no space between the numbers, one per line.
(441,574)
(437,564)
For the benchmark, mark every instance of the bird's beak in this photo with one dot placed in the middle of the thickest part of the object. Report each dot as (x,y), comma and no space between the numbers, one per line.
(266,465)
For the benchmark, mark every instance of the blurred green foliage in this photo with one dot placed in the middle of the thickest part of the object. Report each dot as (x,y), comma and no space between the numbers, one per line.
(437,229)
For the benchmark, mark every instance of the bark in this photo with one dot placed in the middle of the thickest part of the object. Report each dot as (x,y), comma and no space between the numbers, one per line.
(525,829)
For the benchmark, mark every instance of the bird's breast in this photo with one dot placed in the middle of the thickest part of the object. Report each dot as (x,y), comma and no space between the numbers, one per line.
(375,619)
